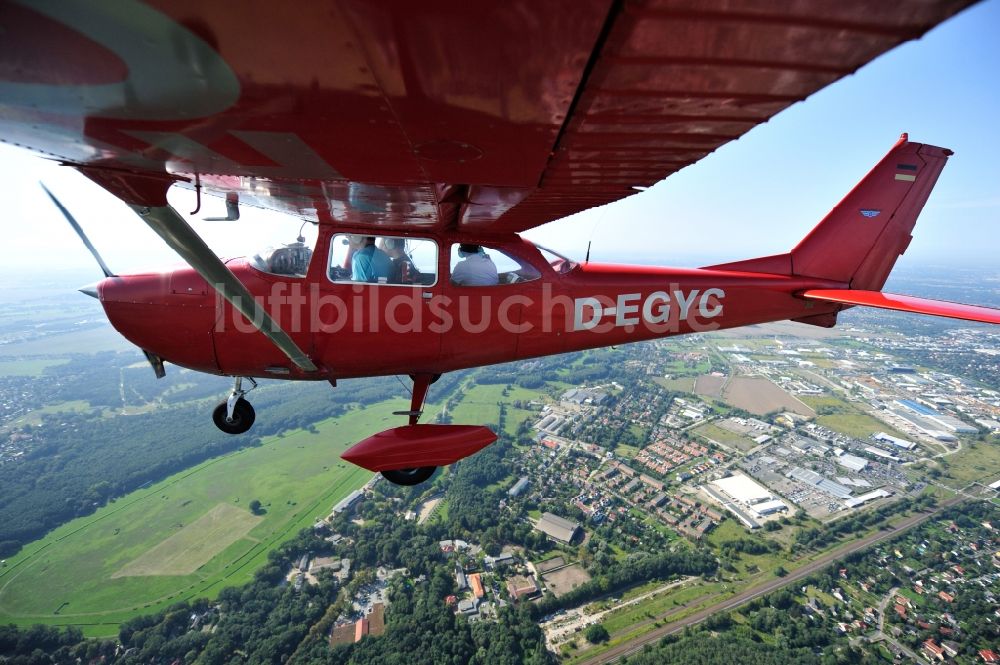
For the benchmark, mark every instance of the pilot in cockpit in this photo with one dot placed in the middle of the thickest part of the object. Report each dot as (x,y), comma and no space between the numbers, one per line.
(476,267)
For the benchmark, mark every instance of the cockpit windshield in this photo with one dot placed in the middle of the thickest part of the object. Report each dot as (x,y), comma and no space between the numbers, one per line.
(291,259)
(559,263)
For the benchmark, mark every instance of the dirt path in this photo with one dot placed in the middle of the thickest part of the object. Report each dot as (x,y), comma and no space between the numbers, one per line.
(563,628)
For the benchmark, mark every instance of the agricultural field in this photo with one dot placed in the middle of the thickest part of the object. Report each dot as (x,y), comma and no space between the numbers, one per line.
(187,536)
(709,386)
(681,385)
(725,437)
(759,396)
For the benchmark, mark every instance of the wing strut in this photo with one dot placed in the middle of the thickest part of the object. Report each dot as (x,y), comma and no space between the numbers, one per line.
(176,232)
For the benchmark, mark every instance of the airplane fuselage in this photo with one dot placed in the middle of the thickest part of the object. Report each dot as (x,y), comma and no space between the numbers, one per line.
(360,329)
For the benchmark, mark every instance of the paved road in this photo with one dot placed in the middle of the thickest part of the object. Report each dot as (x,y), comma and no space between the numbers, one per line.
(880,633)
(636,645)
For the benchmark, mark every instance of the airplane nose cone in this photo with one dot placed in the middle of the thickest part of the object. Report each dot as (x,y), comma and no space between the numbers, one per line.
(90,290)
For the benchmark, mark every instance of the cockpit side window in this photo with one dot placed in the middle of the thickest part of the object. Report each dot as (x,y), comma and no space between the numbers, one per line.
(389,260)
(480,265)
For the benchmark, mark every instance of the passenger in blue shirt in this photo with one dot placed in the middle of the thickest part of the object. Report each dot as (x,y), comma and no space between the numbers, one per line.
(368,262)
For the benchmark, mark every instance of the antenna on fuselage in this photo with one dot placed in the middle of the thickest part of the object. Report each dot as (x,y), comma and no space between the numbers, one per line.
(593,229)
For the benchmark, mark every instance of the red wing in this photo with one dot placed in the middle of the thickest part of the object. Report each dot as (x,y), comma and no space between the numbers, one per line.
(893,301)
(490,116)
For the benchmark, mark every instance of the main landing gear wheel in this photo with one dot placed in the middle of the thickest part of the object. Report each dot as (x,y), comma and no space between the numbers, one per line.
(235,415)
(241,420)
(409,477)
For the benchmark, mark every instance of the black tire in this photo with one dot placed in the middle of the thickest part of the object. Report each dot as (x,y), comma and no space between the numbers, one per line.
(243,417)
(409,477)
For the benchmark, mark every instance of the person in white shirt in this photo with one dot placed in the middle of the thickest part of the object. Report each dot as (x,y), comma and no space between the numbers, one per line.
(475,269)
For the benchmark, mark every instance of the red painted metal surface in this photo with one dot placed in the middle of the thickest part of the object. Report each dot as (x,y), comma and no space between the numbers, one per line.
(871,226)
(491,117)
(456,122)
(448,327)
(900,303)
(414,446)
(353,330)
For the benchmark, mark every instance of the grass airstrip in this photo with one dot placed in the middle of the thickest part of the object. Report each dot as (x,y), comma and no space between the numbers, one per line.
(190,535)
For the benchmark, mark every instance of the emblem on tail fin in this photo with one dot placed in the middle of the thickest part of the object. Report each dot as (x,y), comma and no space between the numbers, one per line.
(869,212)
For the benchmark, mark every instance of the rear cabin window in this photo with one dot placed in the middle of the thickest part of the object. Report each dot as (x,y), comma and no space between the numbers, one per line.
(390,260)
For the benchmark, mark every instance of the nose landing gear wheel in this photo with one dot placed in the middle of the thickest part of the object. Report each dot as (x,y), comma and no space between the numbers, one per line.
(409,477)
(242,420)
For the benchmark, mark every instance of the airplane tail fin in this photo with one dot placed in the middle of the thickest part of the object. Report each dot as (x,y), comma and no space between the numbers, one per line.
(859,241)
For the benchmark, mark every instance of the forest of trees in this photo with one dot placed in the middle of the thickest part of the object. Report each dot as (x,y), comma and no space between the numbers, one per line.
(82,460)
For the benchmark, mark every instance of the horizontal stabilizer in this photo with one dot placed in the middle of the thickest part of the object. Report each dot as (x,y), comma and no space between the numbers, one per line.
(900,303)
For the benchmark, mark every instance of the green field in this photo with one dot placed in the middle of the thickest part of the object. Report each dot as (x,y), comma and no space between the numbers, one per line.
(33,367)
(35,417)
(100,570)
(481,406)
(847,418)
(975,462)
(194,545)
(94,340)
(725,437)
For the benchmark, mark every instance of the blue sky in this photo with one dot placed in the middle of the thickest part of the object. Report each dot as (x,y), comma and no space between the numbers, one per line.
(758,195)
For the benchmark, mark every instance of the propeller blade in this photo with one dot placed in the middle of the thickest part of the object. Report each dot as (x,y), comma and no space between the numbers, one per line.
(79,231)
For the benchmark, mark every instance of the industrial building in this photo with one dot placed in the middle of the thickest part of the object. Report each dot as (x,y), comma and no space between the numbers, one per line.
(931,421)
(852,462)
(878,452)
(883,437)
(819,482)
(580,396)
(769,507)
(865,498)
(749,494)
(743,489)
(728,504)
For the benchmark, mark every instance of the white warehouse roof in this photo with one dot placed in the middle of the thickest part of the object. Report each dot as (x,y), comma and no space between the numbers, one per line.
(743,489)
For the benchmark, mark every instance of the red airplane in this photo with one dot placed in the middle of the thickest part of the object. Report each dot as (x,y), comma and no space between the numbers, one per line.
(421,139)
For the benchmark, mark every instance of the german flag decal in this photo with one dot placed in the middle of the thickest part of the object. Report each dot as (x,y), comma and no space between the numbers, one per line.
(906,177)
